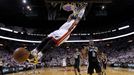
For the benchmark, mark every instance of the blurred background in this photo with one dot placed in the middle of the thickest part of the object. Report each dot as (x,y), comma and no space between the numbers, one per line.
(24,23)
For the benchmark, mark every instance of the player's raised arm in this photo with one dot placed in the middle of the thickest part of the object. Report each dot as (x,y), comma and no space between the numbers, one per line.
(78,13)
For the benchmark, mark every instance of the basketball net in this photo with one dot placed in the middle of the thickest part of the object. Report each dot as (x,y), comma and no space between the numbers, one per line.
(75,7)
(69,7)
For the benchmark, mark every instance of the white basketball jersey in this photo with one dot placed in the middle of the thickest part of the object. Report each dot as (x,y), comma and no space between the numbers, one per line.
(63,33)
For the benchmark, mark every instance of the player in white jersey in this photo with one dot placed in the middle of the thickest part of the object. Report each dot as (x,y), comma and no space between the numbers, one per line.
(60,35)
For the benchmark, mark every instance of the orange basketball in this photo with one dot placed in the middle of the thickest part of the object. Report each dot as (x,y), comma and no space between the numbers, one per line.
(20,55)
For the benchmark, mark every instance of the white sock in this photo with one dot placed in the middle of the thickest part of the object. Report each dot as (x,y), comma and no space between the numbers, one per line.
(40,54)
(34,52)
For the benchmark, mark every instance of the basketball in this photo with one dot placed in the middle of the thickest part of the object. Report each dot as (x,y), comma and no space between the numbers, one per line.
(20,55)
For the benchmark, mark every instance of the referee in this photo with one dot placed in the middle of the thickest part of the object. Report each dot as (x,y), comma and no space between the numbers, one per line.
(77,56)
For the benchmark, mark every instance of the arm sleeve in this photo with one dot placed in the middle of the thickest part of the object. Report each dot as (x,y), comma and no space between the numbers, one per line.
(81,13)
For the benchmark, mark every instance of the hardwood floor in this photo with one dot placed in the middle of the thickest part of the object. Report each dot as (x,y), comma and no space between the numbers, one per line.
(70,71)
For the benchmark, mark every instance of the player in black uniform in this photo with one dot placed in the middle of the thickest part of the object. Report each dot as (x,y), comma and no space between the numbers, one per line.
(104,62)
(93,60)
(77,57)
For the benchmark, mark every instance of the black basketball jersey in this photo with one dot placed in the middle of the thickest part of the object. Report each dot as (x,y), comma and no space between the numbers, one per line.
(92,54)
(77,57)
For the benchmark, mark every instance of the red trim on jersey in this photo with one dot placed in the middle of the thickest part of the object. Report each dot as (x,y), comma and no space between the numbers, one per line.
(54,39)
(66,34)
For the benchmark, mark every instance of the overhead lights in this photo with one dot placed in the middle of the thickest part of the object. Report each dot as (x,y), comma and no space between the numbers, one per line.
(104,39)
(15,31)
(1,45)
(21,32)
(124,27)
(102,7)
(114,30)
(6,29)
(29,8)
(130,41)
(24,1)
(26,5)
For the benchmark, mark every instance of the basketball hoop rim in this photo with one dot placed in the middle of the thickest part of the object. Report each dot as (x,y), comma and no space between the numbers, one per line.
(70,5)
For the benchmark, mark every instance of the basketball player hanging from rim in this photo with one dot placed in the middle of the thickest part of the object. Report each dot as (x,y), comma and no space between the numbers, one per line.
(59,36)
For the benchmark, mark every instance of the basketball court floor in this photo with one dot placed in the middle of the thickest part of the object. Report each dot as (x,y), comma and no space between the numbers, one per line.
(69,71)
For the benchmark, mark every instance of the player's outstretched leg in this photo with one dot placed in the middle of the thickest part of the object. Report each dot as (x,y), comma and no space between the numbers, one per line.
(38,52)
